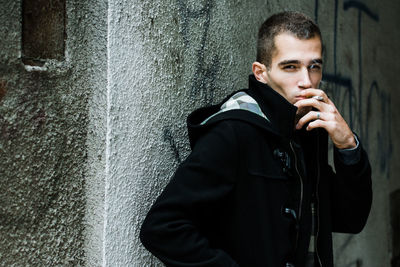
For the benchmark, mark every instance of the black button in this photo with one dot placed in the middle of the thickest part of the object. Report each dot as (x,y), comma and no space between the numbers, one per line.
(284,159)
(278,154)
(290,212)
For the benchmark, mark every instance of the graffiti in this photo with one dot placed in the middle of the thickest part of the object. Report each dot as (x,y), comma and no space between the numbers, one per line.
(352,99)
(381,133)
(204,78)
(368,106)
(345,244)
(170,139)
(356,263)
(361,8)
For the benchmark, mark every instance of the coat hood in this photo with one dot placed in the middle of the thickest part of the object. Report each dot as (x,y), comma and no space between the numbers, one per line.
(259,105)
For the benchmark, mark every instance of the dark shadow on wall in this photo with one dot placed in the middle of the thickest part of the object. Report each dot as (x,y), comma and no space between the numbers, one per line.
(395,225)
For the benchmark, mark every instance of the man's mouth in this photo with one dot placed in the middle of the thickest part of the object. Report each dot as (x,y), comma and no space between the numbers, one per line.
(300,97)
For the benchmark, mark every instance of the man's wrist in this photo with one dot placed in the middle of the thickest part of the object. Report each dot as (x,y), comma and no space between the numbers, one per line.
(351,155)
(350,144)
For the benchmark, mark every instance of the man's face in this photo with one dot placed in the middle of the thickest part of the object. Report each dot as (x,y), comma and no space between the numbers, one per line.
(295,65)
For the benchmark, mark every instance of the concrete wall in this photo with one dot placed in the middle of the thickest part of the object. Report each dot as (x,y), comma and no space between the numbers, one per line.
(361,37)
(88,144)
(44,144)
(178,55)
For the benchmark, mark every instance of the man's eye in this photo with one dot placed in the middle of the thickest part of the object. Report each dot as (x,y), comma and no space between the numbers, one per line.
(289,67)
(314,67)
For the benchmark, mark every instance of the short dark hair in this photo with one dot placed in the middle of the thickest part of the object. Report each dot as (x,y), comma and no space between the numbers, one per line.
(296,23)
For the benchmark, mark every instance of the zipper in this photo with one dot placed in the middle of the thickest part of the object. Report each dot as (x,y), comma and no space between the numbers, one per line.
(317,197)
(301,194)
(301,180)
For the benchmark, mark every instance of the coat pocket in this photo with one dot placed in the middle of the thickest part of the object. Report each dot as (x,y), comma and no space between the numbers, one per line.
(267,167)
(264,174)
(267,161)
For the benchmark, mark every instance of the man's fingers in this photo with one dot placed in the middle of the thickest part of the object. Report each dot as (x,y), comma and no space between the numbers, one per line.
(317,124)
(316,94)
(310,102)
(310,116)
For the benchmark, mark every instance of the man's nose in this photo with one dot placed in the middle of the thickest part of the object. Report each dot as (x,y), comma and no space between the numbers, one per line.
(304,81)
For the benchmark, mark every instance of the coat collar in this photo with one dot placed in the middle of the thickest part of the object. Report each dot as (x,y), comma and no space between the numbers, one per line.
(274,106)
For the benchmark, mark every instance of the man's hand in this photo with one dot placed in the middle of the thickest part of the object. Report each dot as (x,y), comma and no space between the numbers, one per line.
(326,116)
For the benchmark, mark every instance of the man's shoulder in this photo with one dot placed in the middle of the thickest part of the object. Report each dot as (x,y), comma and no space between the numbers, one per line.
(238,126)
(233,132)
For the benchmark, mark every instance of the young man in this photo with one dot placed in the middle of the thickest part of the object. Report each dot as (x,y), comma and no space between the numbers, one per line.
(257,189)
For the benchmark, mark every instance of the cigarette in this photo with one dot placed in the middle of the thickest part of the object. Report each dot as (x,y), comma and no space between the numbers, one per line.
(319,98)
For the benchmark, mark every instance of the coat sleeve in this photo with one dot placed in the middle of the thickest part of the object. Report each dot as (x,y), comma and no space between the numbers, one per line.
(351,194)
(172,228)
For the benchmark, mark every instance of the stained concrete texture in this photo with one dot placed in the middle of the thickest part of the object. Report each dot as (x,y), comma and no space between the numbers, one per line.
(44,115)
(88,142)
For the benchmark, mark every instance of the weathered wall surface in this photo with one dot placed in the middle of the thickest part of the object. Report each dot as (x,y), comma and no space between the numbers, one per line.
(174,56)
(89,143)
(361,37)
(44,116)
(171,57)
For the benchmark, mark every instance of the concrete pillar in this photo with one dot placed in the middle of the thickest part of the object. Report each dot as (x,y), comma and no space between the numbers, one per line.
(46,141)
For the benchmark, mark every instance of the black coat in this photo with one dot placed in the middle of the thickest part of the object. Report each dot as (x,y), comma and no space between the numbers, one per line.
(227,202)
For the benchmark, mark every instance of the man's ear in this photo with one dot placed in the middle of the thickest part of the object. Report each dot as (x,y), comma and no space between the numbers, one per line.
(260,72)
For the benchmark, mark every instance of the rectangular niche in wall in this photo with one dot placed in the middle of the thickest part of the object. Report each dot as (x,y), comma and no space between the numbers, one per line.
(43,30)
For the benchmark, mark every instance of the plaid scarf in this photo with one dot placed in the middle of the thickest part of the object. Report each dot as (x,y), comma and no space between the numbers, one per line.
(242,101)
